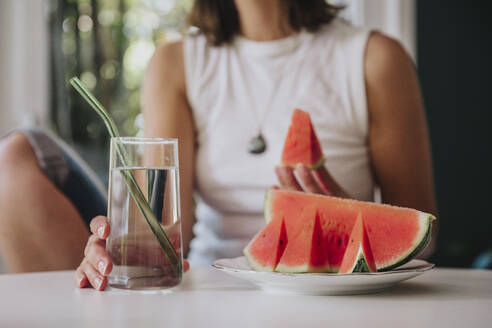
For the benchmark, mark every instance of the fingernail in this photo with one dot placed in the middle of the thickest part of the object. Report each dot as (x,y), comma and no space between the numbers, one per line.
(101,266)
(100,231)
(98,282)
(296,175)
(299,180)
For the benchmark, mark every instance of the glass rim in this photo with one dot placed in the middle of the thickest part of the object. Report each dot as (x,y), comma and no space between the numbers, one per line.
(144,140)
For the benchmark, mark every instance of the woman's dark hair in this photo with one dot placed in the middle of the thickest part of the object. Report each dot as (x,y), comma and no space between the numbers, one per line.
(218,20)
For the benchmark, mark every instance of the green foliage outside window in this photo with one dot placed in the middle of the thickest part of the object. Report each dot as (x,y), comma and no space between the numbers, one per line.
(107,43)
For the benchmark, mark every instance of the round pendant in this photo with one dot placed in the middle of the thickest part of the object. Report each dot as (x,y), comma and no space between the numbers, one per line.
(257,145)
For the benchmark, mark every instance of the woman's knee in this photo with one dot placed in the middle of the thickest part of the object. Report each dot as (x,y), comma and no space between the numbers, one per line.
(15,150)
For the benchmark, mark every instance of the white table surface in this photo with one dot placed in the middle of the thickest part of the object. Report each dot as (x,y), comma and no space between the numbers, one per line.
(209,298)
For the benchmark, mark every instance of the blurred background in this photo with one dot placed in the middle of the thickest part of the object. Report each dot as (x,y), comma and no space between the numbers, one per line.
(107,43)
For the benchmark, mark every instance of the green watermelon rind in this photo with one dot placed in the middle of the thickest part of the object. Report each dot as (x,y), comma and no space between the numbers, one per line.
(360,264)
(423,238)
(419,247)
(318,164)
(313,167)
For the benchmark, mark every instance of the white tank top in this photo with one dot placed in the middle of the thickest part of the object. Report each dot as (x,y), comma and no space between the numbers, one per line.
(233,89)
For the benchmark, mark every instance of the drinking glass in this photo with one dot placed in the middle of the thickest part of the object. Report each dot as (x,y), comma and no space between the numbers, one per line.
(139,261)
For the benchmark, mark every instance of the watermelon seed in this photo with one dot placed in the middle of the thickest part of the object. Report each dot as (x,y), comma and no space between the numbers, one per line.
(281,242)
(264,236)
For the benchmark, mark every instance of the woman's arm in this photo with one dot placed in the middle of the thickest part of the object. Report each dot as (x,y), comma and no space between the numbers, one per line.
(168,115)
(398,136)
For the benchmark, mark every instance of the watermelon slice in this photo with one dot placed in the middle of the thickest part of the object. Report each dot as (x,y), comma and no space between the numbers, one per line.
(264,251)
(305,251)
(396,234)
(302,145)
(358,256)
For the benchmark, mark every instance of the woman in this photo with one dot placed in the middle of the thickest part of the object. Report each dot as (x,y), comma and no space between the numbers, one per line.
(239,79)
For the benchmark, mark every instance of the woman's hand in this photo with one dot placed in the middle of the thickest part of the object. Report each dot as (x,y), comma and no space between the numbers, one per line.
(317,181)
(97,263)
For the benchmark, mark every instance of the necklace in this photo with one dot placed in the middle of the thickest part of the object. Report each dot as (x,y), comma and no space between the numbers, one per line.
(258,144)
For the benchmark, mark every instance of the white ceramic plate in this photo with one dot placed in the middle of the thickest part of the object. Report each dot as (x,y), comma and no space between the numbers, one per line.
(322,283)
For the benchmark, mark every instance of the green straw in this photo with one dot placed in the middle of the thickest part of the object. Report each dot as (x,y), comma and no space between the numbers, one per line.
(129,179)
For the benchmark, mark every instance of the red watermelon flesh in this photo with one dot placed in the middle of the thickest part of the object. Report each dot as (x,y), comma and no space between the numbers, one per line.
(305,251)
(396,234)
(264,251)
(302,144)
(358,256)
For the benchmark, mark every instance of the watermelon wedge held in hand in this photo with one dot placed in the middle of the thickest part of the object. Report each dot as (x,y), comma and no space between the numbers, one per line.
(264,251)
(396,234)
(358,256)
(302,144)
(305,251)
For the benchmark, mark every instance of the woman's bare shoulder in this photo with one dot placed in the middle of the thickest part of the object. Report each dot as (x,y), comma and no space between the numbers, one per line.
(170,51)
(167,65)
(385,58)
(163,91)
